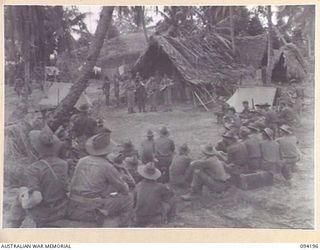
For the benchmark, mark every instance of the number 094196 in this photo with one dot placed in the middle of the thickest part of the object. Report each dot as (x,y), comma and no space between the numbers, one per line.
(309,246)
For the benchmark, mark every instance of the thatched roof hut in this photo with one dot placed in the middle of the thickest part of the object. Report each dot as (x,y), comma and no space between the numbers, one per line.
(123,49)
(195,60)
(288,62)
(296,68)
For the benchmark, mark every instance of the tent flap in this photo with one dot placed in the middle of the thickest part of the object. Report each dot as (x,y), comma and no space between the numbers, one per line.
(254,95)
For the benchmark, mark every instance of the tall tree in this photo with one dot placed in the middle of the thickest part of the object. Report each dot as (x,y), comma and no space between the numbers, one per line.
(269,65)
(232,30)
(81,84)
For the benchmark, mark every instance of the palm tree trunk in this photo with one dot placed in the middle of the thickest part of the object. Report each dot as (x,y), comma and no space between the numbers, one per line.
(269,65)
(81,84)
(143,22)
(232,31)
(26,48)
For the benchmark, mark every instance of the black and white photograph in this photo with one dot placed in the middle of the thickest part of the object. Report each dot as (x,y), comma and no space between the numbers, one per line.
(159,116)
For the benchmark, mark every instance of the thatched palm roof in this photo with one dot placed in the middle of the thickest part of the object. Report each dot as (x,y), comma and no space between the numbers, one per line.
(294,62)
(197,59)
(252,49)
(129,45)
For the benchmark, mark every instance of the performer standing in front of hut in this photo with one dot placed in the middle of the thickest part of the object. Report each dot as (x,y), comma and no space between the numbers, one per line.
(131,89)
(153,91)
(106,89)
(166,86)
(141,93)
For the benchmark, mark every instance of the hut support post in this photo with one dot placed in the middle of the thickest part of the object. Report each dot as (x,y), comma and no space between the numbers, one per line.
(212,98)
(202,103)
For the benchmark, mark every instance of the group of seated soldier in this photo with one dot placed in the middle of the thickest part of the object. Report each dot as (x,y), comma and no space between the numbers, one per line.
(118,186)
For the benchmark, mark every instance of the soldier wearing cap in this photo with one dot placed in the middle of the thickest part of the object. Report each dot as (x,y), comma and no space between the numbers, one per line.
(209,172)
(127,149)
(154,202)
(83,128)
(164,150)
(44,198)
(246,113)
(288,147)
(147,148)
(98,190)
(180,170)
(244,133)
(270,117)
(232,120)
(237,155)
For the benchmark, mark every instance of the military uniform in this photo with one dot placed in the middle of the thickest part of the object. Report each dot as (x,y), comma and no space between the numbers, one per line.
(289,152)
(154,202)
(48,176)
(164,149)
(153,90)
(131,89)
(254,154)
(180,171)
(98,192)
(147,151)
(141,97)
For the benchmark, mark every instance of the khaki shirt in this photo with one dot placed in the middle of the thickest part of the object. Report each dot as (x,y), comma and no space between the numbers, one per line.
(288,148)
(213,167)
(96,177)
(164,146)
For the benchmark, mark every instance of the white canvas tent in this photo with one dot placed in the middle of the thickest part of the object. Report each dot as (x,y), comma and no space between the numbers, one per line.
(55,94)
(254,95)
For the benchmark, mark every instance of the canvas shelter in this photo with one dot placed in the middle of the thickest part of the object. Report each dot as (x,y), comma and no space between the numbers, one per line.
(55,94)
(254,95)
(199,63)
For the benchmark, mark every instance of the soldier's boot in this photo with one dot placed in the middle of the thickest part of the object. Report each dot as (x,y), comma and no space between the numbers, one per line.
(194,193)
(189,196)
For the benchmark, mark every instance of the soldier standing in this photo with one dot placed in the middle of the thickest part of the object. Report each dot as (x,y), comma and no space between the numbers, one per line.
(166,86)
(131,89)
(153,90)
(116,88)
(141,95)
(106,89)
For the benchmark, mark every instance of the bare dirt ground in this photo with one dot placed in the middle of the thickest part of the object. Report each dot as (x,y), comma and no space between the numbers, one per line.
(277,206)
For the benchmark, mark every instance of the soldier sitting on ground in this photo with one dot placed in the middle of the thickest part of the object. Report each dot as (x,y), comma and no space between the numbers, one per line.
(83,127)
(237,155)
(289,151)
(44,198)
(207,171)
(232,120)
(180,171)
(155,202)
(270,155)
(286,114)
(253,147)
(99,191)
